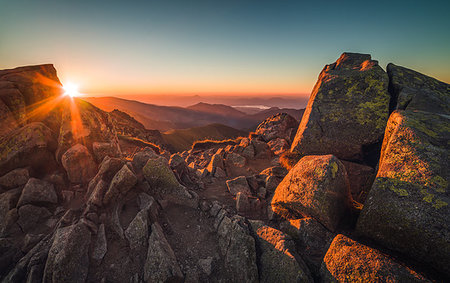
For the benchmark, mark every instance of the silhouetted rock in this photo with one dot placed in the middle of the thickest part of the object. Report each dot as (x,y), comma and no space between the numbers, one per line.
(348,261)
(348,109)
(317,186)
(407,209)
(31,145)
(79,164)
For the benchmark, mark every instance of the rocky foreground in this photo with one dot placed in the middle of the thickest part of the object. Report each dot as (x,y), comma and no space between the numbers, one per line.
(358,191)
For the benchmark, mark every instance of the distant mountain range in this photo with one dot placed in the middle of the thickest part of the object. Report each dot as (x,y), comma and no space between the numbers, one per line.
(164,118)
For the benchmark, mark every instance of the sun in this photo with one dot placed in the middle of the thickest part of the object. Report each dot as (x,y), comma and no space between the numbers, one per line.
(71,89)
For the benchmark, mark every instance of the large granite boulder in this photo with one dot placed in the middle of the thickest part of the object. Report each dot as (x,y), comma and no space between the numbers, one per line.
(415,91)
(68,259)
(122,182)
(31,145)
(350,261)
(280,125)
(317,186)
(278,260)
(15,178)
(79,164)
(407,209)
(38,192)
(347,111)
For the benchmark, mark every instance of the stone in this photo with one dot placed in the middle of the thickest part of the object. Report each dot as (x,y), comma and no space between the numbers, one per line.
(278,260)
(262,150)
(220,173)
(164,183)
(416,91)
(348,109)
(317,186)
(100,244)
(79,164)
(238,184)
(38,192)
(235,160)
(161,264)
(103,149)
(347,260)
(407,208)
(141,158)
(278,146)
(15,178)
(30,240)
(312,239)
(31,145)
(277,126)
(206,265)
(31,216)
(242,203)
(238,249)
(216,162)
(137,232)
(68,259)
(122,182)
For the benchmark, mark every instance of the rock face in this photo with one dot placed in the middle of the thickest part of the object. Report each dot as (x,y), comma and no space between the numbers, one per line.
(38,192)
(281,125)
(161,264)
(407,208)
(349,261)
(278,259)
(348,109)
(415,91)
(79,164)
(31,145)
(68,259)
(317,186)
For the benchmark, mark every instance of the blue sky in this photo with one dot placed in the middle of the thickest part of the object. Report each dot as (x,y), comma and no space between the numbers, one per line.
(175,46)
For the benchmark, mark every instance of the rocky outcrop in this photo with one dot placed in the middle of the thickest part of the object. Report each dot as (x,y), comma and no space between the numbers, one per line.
(347,110)
(348,261)
(122,182)
(31,145)
(79,164)
(407,208)
(318,187)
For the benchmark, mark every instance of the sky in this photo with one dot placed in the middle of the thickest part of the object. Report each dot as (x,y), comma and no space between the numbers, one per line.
(218,47)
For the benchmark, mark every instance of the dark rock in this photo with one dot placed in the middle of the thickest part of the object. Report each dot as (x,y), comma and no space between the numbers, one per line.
(137,232)
(348,109)
(262,150)
(216,162)
(31,145)
(38,192)
(312,240)
(141,158)
(122,182)
(278,146)
(239,184)
(100,244)
(79,164)
(415,91)
(238,249)
(347,261)
(242,203)
(161,264)
(103,149)
(68,259)
(278,260)
(235,160)
(317,186)
(360,178)
(15,178)
(407,209)
(31,216)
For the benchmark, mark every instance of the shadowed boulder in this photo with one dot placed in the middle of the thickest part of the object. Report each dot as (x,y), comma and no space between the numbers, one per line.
(38,192)
(79,164)
(317,186)
(407,209)
(350,261)
(31,145)
(348,109)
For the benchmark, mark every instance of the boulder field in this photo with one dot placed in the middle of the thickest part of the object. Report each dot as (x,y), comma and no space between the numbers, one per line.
(357,191)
